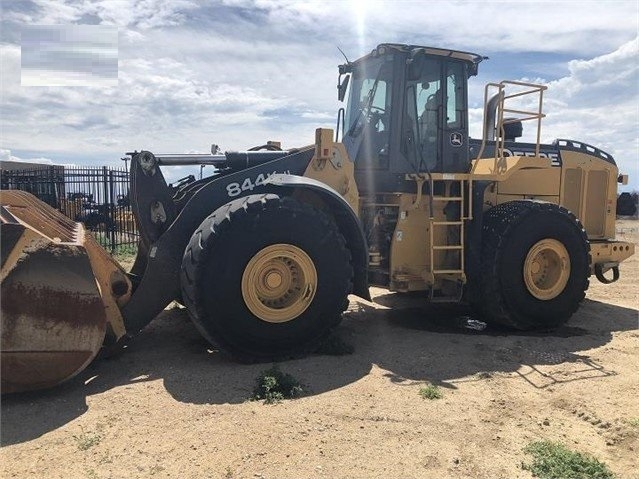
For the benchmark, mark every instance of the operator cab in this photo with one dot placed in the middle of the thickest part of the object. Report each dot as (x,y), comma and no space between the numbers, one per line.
(407,112)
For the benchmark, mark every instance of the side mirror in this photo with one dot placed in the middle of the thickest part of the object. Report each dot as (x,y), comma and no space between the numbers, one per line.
(341,87)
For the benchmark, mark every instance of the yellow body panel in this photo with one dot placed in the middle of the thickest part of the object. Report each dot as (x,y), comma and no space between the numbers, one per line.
(610,252)
(336,170)
(502,169)
(589,190)
(409,258)
(532,183)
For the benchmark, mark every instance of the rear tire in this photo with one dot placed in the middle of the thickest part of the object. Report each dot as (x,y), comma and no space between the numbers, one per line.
(266,278)
(535,265)
(626,205)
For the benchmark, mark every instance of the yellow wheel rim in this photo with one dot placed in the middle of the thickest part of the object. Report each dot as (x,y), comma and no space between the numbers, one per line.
(547,269)
(279,283)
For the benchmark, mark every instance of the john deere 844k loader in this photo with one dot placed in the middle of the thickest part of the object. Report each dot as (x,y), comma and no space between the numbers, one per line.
(265,252)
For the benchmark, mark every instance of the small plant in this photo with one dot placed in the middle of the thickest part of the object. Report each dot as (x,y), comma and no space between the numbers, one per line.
(86,440)
(228,474)
(430,392)
(553,460)
(91,474)
(273,386)
(634,422)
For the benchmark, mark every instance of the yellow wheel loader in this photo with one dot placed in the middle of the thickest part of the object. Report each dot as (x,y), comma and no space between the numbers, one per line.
(265,252)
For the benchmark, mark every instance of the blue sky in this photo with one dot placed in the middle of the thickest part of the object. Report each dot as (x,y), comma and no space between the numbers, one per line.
(240,72)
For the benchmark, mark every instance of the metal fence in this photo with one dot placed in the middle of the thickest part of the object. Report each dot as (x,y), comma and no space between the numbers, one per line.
(96,196)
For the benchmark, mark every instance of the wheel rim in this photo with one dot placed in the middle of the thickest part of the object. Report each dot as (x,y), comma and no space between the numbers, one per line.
(279,283)
(547,269)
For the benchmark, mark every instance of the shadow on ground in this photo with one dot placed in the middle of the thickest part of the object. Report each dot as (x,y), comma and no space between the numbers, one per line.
(413,342)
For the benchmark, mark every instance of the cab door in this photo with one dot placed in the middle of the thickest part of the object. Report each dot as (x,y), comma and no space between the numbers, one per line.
(436,102)
(452,124)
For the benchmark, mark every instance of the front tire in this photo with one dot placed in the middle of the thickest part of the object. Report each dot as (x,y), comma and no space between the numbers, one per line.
(266,277)
(535,265)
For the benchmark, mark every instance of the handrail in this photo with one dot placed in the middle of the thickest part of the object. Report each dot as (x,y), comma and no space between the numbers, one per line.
(520,115)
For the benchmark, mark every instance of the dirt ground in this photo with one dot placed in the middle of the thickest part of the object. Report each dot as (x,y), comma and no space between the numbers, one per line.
(171,406)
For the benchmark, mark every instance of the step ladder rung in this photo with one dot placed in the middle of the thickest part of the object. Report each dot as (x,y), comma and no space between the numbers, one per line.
(458,278)
(440,270)
(447,223)
(445,299)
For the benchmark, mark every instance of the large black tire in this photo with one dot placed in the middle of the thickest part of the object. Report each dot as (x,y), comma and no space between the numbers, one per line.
(219,263)
(524,285)
(626,205)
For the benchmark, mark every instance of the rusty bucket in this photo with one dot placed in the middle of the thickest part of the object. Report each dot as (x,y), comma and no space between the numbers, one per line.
(61,294)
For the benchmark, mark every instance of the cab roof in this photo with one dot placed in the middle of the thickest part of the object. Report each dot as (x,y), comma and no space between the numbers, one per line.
(473,59)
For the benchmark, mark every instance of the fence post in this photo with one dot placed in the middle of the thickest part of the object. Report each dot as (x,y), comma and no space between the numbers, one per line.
(105,206)
(49,187)
(112,211)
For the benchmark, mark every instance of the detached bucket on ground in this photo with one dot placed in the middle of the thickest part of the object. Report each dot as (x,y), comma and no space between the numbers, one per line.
(60,295)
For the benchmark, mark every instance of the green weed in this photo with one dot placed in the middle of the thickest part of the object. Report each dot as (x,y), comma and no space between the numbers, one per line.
(87,440)
(552,460)
(91,474)
(431,392)
(273,386)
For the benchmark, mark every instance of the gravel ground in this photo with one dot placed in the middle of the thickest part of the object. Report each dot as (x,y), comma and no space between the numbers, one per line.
(172,406)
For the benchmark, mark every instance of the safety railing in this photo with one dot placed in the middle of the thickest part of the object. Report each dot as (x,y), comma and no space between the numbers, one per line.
(500,109)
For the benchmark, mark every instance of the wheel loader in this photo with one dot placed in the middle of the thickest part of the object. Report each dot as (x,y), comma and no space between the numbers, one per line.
(265,252)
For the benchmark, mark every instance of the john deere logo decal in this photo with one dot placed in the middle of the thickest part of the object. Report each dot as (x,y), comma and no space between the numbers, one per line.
(456,139)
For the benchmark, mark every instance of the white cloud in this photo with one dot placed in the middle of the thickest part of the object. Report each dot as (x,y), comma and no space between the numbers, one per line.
(598,103)
(597,80)
(487,26)
(241,72)
(41,77)
(5,155)
(143,14)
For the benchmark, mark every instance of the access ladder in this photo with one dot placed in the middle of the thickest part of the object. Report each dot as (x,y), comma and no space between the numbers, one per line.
(451,270)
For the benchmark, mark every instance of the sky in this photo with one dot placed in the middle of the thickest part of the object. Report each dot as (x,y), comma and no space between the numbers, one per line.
(239,72)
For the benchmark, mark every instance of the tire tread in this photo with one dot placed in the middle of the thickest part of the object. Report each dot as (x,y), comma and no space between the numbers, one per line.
(498,225)
(203,244)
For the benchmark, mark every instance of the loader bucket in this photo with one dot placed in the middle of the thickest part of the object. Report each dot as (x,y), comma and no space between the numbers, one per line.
(60,296)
